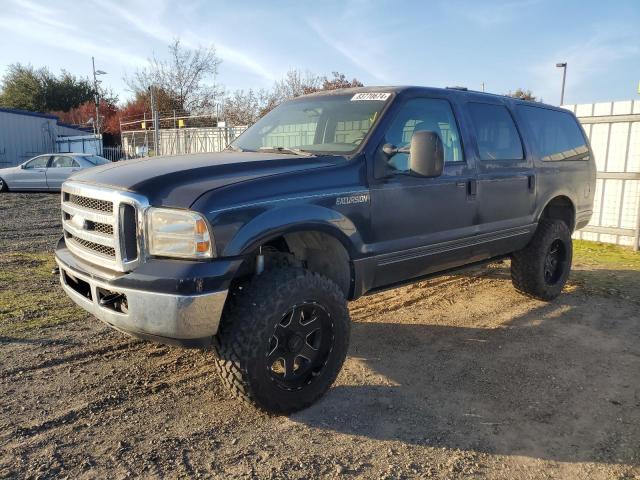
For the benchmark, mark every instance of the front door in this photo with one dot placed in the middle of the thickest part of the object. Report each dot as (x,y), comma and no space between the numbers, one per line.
(422,225)
(506,182)
(33,175)
(60,168)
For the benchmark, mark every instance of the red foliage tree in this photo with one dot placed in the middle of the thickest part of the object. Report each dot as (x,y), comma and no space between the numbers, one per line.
(84,115)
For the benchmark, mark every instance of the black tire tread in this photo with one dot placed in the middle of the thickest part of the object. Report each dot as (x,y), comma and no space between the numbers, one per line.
(239,338)
(525,263)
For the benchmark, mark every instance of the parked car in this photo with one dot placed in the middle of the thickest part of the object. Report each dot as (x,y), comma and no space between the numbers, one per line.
(46,172)
(329,197)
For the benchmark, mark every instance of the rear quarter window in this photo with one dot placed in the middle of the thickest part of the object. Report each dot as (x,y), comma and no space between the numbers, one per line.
(556,135)
(496,132)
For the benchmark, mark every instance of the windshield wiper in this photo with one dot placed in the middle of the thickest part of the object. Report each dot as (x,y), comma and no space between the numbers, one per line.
(233,148)
(294,151)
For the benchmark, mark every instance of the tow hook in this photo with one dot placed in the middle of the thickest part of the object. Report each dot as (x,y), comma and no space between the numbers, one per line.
(110,299)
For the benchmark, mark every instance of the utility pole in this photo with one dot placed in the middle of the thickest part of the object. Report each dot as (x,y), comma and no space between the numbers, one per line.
(562,65)
(154,116)
(96,122)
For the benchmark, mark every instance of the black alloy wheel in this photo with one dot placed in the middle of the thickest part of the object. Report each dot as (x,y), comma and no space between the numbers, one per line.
(300,346)
(555,262)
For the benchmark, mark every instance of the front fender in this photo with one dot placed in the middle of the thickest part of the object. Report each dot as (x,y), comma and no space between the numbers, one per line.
(279,221)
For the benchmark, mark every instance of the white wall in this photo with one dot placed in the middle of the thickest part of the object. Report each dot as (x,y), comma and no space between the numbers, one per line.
(613,129)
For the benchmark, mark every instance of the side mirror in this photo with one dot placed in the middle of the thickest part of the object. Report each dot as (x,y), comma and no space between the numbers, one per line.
(23,166)
(427,154)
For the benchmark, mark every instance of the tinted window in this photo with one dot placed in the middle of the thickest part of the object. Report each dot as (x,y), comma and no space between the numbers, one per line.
(38,162)
(496,133)
(63,162)
(556,135)
(96,160)
(429,114)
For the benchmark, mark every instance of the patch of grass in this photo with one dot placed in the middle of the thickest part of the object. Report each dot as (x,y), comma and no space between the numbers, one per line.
(24,313)
(30,296)
(607,270)
(605,255)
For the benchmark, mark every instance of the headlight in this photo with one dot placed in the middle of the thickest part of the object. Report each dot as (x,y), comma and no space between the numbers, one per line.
(178,233)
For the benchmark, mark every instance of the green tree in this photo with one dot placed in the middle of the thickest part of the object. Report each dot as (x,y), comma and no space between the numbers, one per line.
(39,90)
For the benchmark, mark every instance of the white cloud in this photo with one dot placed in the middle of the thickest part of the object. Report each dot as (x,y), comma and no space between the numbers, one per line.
(155,28)
(585,60)
(365,55)
(45,25)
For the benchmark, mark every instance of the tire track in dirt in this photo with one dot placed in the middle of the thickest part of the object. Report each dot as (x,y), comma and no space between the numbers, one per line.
(76,358)
(136,393)
(433,293)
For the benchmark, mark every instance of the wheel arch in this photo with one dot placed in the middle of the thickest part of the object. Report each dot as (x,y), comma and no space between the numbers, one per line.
(560,207)
(323,240)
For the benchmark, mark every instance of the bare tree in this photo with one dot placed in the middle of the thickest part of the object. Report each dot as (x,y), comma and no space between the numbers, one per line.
(339,80)
(182,79)
(523,94)
(246,107)
(294,84)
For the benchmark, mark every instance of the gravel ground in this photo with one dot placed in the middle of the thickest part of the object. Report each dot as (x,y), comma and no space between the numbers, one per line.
(456,377)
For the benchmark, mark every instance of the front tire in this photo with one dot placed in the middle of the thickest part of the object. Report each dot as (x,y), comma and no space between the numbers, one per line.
(541,269)
(3,185)
(283,339)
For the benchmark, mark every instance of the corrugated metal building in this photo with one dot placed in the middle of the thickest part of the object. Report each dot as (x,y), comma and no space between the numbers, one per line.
(26,134)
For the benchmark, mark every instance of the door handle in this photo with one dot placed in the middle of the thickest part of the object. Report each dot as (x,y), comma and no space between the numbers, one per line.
(532,182)
(472,188)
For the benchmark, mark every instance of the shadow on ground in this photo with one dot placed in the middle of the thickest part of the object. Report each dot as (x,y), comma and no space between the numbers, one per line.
(560,382)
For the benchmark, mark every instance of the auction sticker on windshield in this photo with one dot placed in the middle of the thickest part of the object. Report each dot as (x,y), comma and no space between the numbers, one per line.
(380,96)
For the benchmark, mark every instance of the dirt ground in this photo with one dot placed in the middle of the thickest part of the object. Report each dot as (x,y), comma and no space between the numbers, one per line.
(455,377)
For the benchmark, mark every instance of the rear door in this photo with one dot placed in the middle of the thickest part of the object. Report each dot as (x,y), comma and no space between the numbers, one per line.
(32,175)
(60,168)
(506,181)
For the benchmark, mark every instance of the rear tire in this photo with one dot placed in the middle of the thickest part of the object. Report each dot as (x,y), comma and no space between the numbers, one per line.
(541,269)
(283,339)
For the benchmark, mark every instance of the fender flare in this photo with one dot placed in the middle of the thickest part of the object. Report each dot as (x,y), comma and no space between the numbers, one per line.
(295,218)
(543,206)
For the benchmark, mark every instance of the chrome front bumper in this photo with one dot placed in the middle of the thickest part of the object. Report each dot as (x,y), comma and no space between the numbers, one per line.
(158,316)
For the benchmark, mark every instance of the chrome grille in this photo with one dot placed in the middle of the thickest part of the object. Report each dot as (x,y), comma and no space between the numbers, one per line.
(91,203)
(108,252)
(93,226)
(101,228)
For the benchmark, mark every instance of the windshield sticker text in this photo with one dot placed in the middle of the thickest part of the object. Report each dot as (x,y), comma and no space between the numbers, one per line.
(379,96)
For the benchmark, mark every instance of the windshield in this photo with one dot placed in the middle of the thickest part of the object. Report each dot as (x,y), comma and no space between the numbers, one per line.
(96,160)
(335,124)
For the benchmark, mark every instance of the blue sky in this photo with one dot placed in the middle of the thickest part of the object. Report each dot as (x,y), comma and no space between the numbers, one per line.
(505,44)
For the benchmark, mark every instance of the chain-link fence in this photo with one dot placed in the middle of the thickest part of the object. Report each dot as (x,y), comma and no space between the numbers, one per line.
(176,135)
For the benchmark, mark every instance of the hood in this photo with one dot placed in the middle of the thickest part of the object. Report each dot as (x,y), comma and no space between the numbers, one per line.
(9,170)
(179,180)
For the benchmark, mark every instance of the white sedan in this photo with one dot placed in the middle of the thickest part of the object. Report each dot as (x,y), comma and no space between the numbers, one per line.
(46,172)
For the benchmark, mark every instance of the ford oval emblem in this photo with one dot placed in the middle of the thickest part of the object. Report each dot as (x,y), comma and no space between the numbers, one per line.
(79,222)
